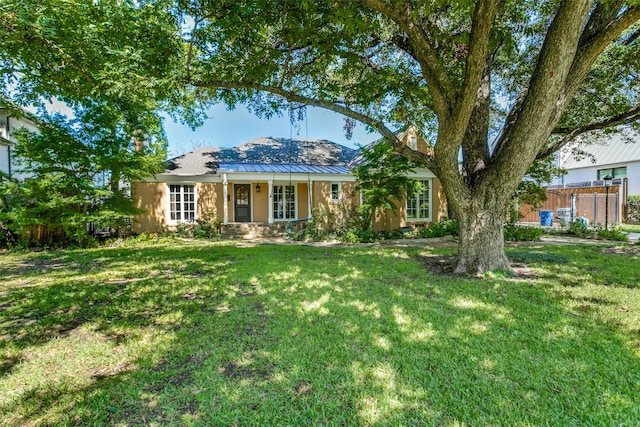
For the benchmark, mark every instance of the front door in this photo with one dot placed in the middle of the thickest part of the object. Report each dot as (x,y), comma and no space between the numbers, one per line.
(242,202)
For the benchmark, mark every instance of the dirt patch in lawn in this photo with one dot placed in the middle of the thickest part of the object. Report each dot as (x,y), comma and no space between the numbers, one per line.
(443,265)
(237,371)
(440,265)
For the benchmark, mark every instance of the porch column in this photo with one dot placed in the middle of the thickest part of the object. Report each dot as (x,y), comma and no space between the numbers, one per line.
(225,196)
(270,220)
(309,196)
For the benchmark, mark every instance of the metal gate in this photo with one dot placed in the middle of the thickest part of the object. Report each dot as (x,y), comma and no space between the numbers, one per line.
(597,208)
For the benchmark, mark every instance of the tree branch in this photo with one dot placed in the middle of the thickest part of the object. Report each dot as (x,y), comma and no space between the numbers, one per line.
(477,60)
(441,88)
(539,109)
(196,22)
(592,43)
(570,134)
(33,32)
(292,96)
(602,15)
(633,37)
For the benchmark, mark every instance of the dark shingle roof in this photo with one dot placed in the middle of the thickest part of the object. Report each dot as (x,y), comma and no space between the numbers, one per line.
(282,168)
(262,151)
(358,158)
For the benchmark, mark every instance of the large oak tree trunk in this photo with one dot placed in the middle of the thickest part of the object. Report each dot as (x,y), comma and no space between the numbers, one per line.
(481,240)
(481,211)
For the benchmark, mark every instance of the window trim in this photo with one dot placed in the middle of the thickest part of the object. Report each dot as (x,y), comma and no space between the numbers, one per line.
(195,203)
(429,182)
(295,202)
(601,176)
(331,198)
(413,142)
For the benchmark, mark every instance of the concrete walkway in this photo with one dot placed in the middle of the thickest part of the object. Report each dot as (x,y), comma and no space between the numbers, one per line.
(447,241)
(634,237)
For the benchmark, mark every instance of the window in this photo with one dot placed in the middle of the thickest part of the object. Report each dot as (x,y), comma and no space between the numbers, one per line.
(419,205)
(182,203)
(614,172)
(242,196)
(413,142)
(284,202)
(336,191)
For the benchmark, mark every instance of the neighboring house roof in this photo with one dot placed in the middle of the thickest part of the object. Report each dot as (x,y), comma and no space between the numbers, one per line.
(609,150)
(264,155)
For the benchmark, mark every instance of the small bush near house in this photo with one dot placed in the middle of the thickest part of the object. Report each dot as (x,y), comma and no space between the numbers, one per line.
(354,235)
(578,229)
(612,234)
(519,233)
(633,209)
(446,227)
(390,235)
(202,228)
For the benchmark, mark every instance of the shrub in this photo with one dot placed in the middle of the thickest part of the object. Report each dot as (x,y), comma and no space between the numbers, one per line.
(612,234)
(519,233)
(390,235)
(8,238)
(579,230)
(312,233)
(446,227)
(633,209)
(202,228)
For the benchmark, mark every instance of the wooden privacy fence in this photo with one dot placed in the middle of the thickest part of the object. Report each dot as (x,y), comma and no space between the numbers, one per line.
(590,203)
(44,234)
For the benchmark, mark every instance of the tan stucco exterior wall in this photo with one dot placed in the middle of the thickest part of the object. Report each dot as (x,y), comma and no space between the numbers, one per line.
(392,220)
(260,202)
(321,196)
(439,201)
(152,197)
(210,203)
(387,220)
(303,200)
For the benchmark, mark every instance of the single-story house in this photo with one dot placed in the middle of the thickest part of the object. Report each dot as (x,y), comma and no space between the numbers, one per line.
(272,181)
(617,155)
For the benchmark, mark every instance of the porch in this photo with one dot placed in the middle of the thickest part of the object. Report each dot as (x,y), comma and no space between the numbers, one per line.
(254,230)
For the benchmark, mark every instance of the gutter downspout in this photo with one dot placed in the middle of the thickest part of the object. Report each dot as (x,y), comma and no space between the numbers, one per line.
(225,195)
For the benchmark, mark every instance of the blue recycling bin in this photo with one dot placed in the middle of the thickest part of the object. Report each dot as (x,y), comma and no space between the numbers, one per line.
(546,218)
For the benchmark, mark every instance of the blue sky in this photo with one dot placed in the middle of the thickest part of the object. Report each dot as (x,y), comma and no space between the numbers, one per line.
(230,128)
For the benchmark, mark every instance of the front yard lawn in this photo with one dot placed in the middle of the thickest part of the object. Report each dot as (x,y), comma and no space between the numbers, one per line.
(630,228)
(218,334)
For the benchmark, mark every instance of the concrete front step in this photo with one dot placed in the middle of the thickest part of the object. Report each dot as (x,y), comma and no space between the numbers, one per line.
(251,230)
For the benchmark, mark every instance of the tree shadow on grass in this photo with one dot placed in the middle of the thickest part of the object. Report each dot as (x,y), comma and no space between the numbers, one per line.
(277,335)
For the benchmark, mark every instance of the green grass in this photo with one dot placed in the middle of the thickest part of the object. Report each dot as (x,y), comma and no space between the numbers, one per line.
(630,228)
(216,334)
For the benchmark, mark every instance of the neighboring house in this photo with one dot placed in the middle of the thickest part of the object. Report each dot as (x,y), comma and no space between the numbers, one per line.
(618,156)
(271,181)
(8,125)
